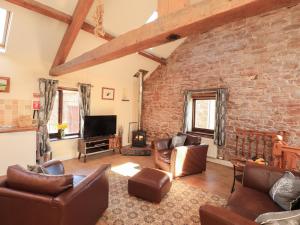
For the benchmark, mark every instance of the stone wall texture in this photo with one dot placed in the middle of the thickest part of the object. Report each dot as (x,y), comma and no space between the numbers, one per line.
(257,59)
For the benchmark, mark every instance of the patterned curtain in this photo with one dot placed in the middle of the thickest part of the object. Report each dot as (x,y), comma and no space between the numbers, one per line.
(84,103)
(187,112)
(48,90)
(221,104)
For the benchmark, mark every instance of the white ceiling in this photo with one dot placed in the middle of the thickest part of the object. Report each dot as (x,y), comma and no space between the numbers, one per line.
(121,16)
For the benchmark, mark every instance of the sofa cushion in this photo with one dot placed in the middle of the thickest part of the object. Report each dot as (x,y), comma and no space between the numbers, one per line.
(279,218)
(178,140)
(286,191)
(37,169)
(192,140)
(250,203)
(77,179)
(23,180)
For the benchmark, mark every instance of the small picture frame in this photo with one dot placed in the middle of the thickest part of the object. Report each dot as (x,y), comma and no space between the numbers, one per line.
(108,93)
(4,84)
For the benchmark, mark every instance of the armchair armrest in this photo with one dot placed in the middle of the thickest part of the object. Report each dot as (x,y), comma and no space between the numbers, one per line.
(91,195)
(54,167)
(187,160)
(83,186)
(260,177)
(211,215)
(29,208)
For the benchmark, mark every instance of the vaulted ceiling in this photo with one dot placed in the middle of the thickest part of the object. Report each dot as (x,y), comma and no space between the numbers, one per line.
(120,17)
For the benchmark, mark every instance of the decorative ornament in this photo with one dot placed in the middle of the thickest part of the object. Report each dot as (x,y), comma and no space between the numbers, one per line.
(98,17)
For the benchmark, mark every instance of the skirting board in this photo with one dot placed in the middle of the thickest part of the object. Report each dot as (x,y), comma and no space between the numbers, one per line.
(219,161)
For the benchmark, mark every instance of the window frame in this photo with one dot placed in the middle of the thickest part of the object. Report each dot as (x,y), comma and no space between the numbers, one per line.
(60,91)
(212,95)
(6,29)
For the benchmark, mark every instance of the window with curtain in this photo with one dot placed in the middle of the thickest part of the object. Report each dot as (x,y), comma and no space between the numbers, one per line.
(65,111)
(5,17)
(204,113)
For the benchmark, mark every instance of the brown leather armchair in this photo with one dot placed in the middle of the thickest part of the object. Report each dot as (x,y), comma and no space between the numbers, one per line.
(247,202)
(81,204)
(181,161)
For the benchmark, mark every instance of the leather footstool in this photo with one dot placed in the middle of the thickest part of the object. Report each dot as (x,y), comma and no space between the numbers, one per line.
(149,184)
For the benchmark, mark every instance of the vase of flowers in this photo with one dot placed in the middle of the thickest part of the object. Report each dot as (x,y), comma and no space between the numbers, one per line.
(61,129)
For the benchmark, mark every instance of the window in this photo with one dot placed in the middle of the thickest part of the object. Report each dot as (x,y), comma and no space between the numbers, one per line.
(204,113)
(4,25)
(153,17)
(65,110)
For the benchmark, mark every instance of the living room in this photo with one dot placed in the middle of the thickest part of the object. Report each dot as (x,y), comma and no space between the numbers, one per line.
(189,98)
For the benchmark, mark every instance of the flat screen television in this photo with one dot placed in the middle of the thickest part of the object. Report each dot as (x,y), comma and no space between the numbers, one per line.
(95,126)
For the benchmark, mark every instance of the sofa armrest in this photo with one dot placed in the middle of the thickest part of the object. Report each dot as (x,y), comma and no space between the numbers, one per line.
(260,177)
(91,194)
(187,160)
(54,167)
(211,215)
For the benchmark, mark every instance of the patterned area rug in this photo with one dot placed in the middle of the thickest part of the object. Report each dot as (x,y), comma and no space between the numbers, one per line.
(179,206)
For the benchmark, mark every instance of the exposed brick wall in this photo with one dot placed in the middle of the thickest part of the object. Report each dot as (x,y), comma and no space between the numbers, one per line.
(257,59)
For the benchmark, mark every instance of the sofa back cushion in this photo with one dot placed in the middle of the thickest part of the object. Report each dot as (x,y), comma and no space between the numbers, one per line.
(191,139)
(262,178)
(23,180)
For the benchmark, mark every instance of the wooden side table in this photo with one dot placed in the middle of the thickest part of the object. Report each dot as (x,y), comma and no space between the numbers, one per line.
(238,171)
(115,143)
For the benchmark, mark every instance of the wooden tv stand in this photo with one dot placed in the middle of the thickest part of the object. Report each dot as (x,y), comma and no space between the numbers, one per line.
(96,145)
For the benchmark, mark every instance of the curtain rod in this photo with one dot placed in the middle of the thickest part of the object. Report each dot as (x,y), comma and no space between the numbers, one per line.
(84,84)
(204,90)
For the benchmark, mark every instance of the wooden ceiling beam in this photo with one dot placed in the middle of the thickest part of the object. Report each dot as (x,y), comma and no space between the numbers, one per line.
(200,17)
(79,15)
(63,17)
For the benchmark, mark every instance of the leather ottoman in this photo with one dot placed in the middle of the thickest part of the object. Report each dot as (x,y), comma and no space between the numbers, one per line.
(150,184)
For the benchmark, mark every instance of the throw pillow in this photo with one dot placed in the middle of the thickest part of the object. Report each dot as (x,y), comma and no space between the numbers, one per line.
(279,218)
(286,191)
(37,169)
(178,141)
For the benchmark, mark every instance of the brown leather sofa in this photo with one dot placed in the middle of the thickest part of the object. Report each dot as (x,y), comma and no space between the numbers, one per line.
(247,202)
(180,161)
(81,204)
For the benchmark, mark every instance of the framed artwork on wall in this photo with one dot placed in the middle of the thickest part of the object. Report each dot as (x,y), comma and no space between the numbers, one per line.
(108,93)
(4,84)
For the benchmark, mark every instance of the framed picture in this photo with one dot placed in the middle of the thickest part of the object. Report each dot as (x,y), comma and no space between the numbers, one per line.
(4,84)
(108,93)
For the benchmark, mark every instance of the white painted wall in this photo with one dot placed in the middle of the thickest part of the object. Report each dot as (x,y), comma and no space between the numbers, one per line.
(212,149)
(16,148)
(32,45)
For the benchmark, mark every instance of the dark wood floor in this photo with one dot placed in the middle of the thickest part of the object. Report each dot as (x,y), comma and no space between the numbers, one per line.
(217,178)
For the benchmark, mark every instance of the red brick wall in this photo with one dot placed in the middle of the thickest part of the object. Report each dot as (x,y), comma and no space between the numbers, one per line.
(257,59)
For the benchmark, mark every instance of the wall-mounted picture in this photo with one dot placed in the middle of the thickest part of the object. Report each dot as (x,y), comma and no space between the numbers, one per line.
(4,84)
(108,93)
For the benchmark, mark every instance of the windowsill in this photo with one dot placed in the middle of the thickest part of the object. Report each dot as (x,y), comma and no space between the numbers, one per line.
(2,50)
(201,134)
(65,138)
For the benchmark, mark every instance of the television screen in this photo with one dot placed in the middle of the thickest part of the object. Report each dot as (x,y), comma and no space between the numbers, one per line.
(95,126)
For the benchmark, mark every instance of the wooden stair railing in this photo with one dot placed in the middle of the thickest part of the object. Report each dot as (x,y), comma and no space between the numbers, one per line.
(286,157)
(256,144)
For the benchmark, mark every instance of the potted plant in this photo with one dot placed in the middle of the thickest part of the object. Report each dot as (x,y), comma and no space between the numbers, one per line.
(61,129)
